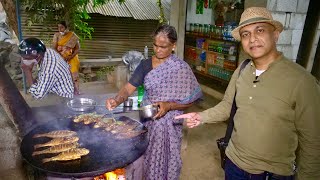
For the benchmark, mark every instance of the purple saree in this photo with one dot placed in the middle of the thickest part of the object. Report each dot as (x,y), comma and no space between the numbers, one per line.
(172,81)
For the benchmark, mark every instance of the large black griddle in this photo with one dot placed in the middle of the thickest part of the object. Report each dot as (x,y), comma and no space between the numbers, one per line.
(106,152)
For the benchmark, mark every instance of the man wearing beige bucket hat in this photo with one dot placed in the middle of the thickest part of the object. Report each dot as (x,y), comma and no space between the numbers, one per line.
(277,119)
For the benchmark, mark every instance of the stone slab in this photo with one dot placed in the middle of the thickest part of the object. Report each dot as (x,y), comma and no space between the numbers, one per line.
(296,37)
(302,6)
(285,37)
(286,5)
(297,21)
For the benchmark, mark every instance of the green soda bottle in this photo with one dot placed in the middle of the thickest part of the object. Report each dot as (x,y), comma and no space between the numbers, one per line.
(140,94)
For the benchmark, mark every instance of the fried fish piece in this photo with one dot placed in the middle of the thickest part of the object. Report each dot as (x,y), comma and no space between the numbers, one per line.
(56,134)
(114,125)
(87,118)
(92,119)
(56,149)
(100,124)
(129,134)
(123,128)
(71,154)
(57,141)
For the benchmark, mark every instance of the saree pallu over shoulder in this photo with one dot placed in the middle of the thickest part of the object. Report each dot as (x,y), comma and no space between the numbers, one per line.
(69,40)
(172,81)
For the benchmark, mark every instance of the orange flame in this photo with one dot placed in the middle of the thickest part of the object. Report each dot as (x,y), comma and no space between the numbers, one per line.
(118,174)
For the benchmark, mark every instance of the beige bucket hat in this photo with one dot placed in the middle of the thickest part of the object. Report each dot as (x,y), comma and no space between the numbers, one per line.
(255,15)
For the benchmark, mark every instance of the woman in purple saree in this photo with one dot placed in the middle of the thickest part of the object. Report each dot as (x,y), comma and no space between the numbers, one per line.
(170,84)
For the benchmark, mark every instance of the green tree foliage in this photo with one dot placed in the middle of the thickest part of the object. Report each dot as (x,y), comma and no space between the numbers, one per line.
(72,11)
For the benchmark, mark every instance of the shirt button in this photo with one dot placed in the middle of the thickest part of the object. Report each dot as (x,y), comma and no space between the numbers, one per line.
(254,85)
(250,97)
(253,73)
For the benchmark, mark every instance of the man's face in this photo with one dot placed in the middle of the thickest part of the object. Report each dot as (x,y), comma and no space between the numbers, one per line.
(30,59)
(259,39)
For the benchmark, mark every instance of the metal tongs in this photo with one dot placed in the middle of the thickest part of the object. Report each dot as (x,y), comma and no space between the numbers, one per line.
(112,115)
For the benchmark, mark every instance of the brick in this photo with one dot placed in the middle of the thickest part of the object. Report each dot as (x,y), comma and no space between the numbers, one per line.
(279,16)
(303,6)
(272,5)
(3,118)
(296,37)
(297,21)
(286,5)
(8,138)
(9,158)
(14,174)
(285,37)
(286,50)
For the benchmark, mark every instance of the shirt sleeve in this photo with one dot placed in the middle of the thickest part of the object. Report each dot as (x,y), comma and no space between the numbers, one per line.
(221,111)
(45,79)
(307,121)
(140,72)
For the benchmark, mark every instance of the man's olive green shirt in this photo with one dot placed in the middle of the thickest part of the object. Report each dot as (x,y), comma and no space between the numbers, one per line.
(277,121)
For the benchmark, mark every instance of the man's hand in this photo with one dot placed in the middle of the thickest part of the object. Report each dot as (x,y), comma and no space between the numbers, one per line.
(26,68)
(164,107)
(193,119)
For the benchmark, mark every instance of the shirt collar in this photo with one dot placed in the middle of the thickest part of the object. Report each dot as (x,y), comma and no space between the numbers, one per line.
(278,59)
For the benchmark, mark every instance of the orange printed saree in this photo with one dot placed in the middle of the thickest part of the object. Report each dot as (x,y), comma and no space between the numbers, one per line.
(67,44)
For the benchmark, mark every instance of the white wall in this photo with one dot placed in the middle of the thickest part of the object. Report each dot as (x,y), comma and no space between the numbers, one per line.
(192,17)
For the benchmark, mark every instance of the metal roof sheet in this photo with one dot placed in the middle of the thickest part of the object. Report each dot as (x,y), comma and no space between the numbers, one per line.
(138,9)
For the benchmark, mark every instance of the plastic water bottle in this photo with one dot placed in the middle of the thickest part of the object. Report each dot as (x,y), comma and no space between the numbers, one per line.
(140,94)
(146,52)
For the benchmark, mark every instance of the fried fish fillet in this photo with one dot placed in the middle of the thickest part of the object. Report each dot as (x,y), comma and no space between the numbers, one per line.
(103,124)
(56,149)
(87,118)
(123,128)
(57,141)
(56,134)
(114,125)
(129,134)
(90,120)
(71,154)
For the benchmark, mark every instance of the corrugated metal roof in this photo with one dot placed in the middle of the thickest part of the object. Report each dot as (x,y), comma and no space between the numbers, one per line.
(138,9)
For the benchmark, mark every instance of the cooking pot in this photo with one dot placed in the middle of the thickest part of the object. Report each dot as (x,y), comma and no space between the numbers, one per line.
(148,112)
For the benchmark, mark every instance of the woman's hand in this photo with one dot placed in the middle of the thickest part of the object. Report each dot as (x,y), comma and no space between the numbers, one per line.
(164,107)
(67,59)
(193,119)
(59,48)
(111,103)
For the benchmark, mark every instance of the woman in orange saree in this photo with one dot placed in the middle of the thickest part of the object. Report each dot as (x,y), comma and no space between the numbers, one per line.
(67,44)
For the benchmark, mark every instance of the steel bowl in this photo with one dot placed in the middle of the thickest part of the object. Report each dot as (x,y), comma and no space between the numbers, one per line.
(148,112)
(81,104)
(128,102)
